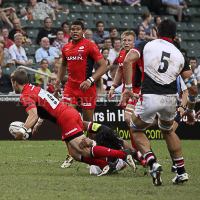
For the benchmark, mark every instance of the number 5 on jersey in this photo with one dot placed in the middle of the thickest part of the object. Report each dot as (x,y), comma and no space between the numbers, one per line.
(164,63)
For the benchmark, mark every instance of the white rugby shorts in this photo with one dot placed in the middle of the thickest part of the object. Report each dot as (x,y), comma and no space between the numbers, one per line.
(149,105)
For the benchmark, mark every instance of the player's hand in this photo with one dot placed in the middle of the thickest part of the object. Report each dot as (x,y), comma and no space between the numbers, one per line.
(86,142)
(19,135)
(57,91)
(110,94)
(197,116)
(36,127)
(190,117)
(181,111)
(85,85)
(125,96)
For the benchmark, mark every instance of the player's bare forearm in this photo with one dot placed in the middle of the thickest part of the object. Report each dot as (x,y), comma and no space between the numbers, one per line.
(102,68)
(32,118)
(118,77)
(130,58)
(63,70)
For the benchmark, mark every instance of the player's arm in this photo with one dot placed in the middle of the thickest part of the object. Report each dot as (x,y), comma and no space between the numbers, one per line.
(61,74)
(115,84)
(191,83)
(30,121)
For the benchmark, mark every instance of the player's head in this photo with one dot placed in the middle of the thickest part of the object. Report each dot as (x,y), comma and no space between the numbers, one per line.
(167,28)
(76,30)
(19,78)
(109,139)
(128,39)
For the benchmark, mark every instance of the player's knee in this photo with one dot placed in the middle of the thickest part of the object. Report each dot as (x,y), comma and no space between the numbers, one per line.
(165,129)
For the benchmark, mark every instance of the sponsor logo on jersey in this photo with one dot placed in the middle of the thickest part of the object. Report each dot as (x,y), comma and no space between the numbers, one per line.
(71,131)
(121,64)
(81,48)
(74,58)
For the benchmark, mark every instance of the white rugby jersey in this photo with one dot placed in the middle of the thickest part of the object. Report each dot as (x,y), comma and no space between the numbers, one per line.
(163,62)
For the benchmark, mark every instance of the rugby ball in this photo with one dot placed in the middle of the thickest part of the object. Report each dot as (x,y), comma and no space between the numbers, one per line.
(15,126)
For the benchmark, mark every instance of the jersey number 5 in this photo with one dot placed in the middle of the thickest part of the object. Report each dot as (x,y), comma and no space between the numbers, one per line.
(164,63)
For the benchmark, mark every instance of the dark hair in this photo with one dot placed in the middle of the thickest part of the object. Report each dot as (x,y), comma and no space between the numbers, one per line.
(47,18)
(3,44)
(112,28)
(41,62)
(109,139)
(177,44)
(8,5)
(65,23)
(99,22)
(117,39)
(193,58)
(19,76)
(1,5)
(167,28)
(104,50)
(3,28)
(80,19)
(145,15)
(113,67)
(183,51)
(77,22)
(155,18)
(107,38)
(59,30)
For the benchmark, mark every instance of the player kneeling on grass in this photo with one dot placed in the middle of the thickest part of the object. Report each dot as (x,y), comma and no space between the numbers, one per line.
(39,102)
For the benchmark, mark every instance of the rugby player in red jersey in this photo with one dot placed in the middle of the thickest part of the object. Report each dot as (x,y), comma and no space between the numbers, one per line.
(128,40)
(39,102)
(78,58)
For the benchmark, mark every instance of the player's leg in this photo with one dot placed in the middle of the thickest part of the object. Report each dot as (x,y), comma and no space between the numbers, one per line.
(174,147)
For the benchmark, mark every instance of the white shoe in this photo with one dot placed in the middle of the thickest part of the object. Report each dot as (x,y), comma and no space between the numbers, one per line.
(68,162)
(108,169)
(130,154)
(156,174)
(180,178)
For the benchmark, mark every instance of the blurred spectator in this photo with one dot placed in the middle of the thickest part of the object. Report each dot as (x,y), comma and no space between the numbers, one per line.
(141,37)
(58,42)
(65,28)
(54,4)
(90,2)
(46,52)
(7,14)
(146,26)
(108,78)
(113,53)
(178,39)
(174,7)
(184,52)
(4,54)
(195,69)
(17,52)
(29,13)
(51,83)
(7,41)
(44,68)
(157,21)
(105,53)
(40,10)
(132,2)
(17,29)
(46,31)
(110,2)
(5,83)
(56,69)
(100,34)
(107,43)
(88,34)
(113,34)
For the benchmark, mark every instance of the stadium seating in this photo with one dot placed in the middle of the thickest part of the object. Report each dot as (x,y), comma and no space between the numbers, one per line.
(29,50)
(8,70)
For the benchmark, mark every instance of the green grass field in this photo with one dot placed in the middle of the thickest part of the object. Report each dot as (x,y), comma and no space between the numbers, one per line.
(31,170)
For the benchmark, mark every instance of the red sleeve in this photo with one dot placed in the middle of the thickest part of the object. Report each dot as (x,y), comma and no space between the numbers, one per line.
(51,89)
(139,62)
(27,102)
(94,52)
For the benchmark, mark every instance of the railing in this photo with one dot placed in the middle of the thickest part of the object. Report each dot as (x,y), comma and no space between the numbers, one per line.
(37,72)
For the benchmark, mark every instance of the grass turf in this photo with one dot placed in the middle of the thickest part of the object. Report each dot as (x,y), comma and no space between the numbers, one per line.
(31,170)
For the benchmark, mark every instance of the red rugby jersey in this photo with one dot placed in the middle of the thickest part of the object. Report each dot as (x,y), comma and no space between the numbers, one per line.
(136,77)
(80,58)
(48,107)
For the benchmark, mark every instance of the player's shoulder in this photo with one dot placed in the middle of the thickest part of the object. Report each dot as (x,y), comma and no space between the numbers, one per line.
(122,53)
